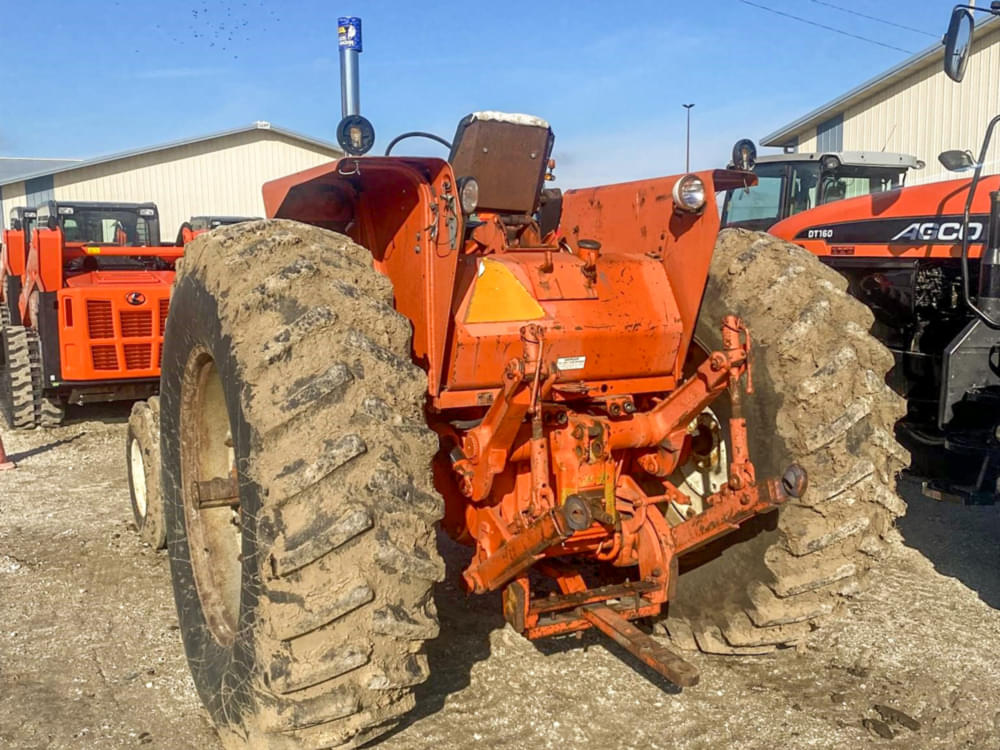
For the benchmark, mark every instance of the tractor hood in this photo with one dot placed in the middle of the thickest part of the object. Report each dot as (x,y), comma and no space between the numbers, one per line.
(923,221)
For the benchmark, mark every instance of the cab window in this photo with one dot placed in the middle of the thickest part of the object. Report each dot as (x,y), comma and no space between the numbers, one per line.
(760,203)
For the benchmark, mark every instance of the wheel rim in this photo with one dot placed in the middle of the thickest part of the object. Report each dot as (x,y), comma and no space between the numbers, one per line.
(214,536)
(707,467)
(138,476)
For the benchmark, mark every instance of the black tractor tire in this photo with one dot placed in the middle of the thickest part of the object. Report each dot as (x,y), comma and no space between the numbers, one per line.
(142,457)
(820,401)
(18,386)
(50,409)
(319,642)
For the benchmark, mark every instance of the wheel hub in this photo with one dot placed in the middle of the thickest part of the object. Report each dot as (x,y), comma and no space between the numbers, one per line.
(213,529)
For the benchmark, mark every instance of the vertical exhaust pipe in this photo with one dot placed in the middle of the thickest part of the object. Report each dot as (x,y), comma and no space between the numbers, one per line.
(354,133)
(989,264)
(349,41)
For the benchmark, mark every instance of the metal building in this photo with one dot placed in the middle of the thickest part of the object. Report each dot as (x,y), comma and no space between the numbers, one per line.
(912,108)
(218,174)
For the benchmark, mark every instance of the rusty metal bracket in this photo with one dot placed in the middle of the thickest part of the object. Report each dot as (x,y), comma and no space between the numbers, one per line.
(216,493)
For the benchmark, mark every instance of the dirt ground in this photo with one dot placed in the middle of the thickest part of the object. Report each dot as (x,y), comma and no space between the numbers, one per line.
(90,654)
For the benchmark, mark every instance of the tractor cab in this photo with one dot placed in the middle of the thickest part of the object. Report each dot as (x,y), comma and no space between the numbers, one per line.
(788,184)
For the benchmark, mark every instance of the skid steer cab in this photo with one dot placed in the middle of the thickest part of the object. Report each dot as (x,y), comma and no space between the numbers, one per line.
(13,257)
(91,310)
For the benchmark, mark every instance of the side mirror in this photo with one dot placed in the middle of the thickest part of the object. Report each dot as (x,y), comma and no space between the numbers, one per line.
(957,161)
(957,42)
(744,155)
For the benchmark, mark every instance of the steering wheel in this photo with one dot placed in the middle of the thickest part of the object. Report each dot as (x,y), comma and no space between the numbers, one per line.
(416,134)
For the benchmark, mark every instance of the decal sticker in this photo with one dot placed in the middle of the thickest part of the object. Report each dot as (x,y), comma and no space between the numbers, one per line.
(135,298)
(910,230)
(498,296)
(571,363)
(945,231)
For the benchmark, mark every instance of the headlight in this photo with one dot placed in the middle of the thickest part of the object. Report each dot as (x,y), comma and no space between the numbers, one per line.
(468,194)
(689,193)
(830,163)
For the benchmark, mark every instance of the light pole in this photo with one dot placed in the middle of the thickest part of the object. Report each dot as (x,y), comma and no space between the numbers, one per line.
(687,159)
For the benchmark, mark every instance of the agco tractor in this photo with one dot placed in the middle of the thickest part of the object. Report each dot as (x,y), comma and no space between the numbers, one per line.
(94,294)
(906,252)
(626,421)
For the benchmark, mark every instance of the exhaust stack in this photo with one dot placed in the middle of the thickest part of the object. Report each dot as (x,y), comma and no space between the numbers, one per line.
(349,41)
(354,133)
(989,264)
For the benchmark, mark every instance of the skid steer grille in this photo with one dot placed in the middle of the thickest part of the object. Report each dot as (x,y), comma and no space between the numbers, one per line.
(100,321)
(121,340)
(137,356)
(136,323)
(104,357)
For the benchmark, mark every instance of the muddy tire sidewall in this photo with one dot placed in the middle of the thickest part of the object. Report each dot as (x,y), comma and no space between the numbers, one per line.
(221,673)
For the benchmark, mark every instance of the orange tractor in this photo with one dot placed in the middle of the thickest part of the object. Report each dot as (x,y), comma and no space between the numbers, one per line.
(94,295)
(608,415)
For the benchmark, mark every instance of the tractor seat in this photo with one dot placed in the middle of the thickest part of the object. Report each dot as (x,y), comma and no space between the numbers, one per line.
(508,155)
(835,191)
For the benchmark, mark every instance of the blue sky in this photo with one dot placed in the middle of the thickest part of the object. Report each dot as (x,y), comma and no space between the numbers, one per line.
(102,76)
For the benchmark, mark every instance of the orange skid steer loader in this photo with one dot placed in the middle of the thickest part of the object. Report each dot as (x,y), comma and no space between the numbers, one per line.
(92,306)
(608,416)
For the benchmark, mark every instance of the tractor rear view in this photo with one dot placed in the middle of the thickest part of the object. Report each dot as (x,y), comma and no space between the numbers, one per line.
(608,415)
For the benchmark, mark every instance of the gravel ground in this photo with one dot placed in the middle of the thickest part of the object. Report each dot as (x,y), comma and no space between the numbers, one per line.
(90,654)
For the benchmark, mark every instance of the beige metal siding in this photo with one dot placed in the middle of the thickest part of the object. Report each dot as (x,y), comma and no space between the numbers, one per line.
(926,112)
(220,176)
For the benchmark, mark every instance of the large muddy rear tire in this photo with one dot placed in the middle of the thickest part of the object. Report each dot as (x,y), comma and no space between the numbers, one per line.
(305,599)
(821,401)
